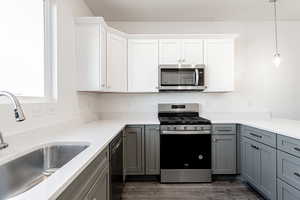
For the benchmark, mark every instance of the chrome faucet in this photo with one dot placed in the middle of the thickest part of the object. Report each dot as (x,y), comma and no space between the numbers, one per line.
(19,115)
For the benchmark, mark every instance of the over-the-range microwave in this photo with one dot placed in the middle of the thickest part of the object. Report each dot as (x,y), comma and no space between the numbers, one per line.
(181,77)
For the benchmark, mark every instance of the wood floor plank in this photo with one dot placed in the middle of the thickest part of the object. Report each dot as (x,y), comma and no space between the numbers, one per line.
(218,190)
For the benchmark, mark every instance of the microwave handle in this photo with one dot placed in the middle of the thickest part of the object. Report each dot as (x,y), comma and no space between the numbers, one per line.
(197,77)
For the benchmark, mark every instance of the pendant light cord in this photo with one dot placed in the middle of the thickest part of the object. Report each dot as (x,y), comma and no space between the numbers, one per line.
(276,26)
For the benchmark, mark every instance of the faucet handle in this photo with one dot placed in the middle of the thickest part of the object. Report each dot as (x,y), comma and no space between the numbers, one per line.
(3,145)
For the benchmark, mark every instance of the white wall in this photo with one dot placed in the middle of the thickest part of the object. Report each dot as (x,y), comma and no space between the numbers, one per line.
(260,87)
(70,105)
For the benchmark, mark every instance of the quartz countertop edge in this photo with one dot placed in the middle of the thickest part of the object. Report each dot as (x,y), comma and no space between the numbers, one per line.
(99,134)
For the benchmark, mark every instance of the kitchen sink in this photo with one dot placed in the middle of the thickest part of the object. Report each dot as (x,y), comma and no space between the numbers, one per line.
(25,172)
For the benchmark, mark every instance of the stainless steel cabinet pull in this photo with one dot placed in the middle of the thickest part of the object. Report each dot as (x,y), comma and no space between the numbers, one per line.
(297,149)
(297,174)
(255,147)
(225,130)
(255,135)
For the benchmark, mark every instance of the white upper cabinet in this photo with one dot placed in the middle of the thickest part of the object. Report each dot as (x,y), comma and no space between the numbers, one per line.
(192,51)
(108,60)
(219,61)
(181,51)
(116,63)
(170,51)
(90,55)
(142,65)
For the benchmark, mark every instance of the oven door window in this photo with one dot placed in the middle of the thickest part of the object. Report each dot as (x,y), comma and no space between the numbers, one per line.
(178,77)
(185,151)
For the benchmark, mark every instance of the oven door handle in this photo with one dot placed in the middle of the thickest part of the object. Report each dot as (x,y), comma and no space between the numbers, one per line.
(206,132)
(197,77)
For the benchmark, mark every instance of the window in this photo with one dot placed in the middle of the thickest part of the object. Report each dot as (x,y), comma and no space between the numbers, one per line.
(26,47)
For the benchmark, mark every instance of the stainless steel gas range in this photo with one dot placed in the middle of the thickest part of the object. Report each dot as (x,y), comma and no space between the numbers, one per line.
(185,144)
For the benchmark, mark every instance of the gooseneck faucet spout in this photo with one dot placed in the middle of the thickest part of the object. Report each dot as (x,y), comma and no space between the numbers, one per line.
(19,115)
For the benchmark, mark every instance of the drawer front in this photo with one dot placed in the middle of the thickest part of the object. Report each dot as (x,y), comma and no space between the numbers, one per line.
(286,192)
(259,135)
(289,145)
(224,129)
(288,168)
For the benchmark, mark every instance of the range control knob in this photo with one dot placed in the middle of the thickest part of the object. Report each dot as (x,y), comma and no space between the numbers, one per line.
(185,128)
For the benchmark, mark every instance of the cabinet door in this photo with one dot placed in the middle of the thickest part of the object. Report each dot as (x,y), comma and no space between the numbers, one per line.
(142,65)
(135,150)
(89,47)
(259,167)
(152,152)
(192,51)
(268,171)
(100,190)
(116,63)
(219,61)
(250,162)
(170,51)
(224,154)
(287,192)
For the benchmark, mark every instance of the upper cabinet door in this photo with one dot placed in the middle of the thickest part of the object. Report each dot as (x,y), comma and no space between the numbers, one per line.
(170,51)
(219,61)
(116,63)
(90,48)
(192,51)
(142,65)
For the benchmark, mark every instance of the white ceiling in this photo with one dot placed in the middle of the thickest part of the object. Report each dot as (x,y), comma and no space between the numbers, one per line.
(193,10)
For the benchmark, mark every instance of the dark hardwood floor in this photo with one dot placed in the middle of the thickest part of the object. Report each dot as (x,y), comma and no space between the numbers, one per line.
(218,190)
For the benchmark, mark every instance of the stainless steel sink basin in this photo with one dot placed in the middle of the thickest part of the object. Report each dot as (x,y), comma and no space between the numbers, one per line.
(23,173)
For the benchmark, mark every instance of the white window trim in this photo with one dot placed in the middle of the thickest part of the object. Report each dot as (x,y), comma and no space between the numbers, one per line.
(50,65)
(50,70)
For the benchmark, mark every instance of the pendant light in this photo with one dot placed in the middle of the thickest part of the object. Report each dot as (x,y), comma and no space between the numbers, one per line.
(276,58)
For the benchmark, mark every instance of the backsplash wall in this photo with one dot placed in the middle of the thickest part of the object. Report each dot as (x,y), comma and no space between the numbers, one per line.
(260,86)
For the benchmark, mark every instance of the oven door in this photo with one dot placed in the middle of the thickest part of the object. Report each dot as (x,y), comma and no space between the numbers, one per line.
(185,151)
(181,77)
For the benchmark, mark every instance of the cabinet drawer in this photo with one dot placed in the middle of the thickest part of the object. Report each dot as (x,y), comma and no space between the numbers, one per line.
(286,192)
(224,129)
(289,145)
(259,135)
(288,168)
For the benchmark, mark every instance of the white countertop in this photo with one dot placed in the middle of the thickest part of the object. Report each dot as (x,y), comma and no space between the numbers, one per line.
(290,128)
(99,134)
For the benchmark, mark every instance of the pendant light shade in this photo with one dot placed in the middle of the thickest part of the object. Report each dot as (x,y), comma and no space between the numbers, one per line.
(276,58)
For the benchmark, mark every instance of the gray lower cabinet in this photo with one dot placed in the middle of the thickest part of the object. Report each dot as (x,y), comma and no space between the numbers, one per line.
(152,150)
(100,190)
(142,149)
(287,192)
(92,183)
(134,150)
(224,154)
(259,167)
(288,168)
